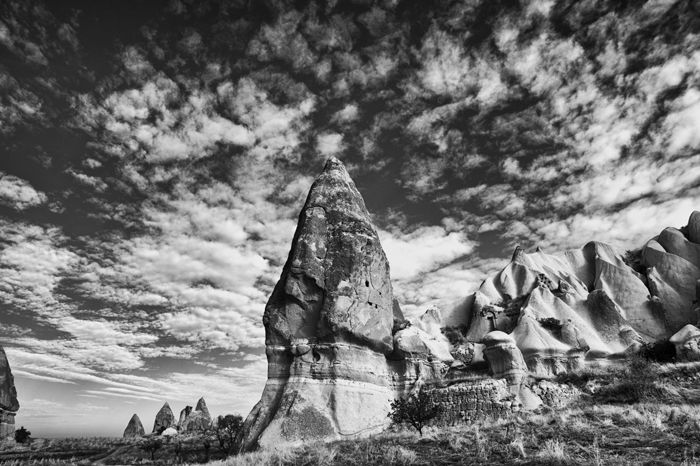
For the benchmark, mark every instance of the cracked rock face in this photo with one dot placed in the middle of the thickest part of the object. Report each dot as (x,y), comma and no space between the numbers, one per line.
(335,285)
(8,398)
(328,325)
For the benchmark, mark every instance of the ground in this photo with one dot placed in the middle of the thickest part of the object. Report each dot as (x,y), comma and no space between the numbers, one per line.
(646,414)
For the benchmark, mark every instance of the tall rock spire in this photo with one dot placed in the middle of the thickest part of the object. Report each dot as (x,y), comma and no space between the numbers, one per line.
(8,397)
(328,324)
(335,285)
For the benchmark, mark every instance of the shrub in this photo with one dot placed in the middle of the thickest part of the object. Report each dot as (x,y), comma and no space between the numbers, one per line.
(22,435)
(151,445)
(415,410)
(659,351)
(227,428)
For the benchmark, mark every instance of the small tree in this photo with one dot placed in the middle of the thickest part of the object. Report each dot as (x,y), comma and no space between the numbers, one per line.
(152,445)
(22,435)
(227,428)
(416,410)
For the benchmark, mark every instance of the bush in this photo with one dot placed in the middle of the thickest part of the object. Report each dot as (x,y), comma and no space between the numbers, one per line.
(659,351)
(227,428)
(22,435)
(415,410)
(152,445)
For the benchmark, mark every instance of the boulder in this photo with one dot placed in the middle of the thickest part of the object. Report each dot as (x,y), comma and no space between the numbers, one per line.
(134,428)
(164,419)
(413,341)
(328,325)
(169,432)
(8,397)
(504,358)
(687,343)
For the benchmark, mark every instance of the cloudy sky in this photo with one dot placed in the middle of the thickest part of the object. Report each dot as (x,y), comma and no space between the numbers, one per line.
(154,157)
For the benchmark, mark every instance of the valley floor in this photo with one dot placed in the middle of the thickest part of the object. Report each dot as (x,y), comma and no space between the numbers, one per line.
(647,414)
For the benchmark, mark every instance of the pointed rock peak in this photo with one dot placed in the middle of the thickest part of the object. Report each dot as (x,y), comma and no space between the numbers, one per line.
(518,254)
(336,193)
(333,163)
(202,407)
(539,249)
(164,419)
(335,285)
(134,428)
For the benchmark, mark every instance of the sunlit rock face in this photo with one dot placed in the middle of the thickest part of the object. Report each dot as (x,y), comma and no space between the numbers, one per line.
(673,270)
(591,301)
(134,428)
(328,325)
(8,398)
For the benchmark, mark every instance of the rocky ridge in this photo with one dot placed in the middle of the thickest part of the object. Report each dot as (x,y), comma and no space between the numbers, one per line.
(339,349)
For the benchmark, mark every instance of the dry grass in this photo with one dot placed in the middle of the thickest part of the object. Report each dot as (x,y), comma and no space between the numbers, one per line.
(662,427)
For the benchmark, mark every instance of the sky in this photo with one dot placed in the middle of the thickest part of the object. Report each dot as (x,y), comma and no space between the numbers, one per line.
(154,157)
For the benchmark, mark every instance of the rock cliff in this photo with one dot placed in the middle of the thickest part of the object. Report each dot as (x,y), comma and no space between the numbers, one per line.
(8,397)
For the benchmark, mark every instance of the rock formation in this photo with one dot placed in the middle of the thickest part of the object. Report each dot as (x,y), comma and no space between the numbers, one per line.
(8,398)
(687,343)
(164,419)
(339,349)
(184,415)
(328,325)
(673,270)
(195,421)
(134,428)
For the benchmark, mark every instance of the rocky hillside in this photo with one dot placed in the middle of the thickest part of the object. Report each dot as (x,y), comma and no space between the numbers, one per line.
(339,350)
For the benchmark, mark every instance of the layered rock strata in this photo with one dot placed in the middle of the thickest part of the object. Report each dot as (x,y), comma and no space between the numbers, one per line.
(328,325)
(8,398)
(134,428)
(339,349)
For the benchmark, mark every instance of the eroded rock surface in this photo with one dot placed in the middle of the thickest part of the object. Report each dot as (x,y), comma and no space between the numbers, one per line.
(328,325)
(134,428)
(339,348)
(164,419)
(8,397)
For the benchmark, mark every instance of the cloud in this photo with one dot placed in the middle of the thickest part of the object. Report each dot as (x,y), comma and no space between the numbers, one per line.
(421,251)
(18,193)
(329,144)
